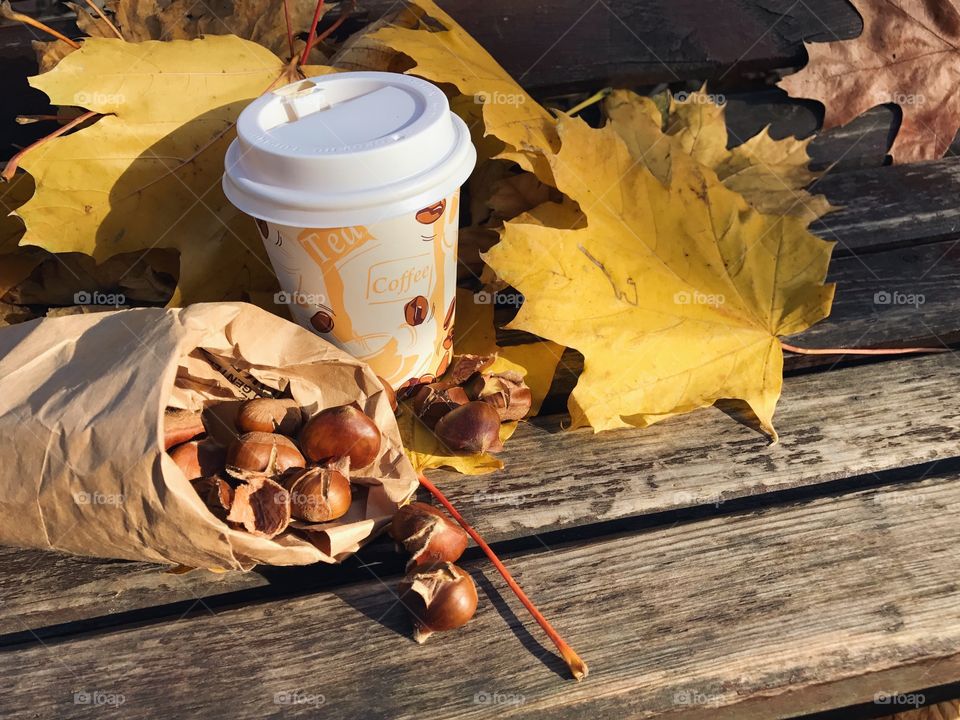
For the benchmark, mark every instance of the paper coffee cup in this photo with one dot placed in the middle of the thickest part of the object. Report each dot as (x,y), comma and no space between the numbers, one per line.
(354,182)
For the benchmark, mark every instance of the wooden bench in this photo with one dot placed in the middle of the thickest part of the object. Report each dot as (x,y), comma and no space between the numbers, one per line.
(702,572)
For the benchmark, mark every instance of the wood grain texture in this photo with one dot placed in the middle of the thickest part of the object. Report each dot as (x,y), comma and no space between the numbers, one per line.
(898,298)
(790,609)
(41,589)
(902,204)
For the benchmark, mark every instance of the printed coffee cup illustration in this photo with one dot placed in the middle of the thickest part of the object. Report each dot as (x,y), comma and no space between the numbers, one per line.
(354,182)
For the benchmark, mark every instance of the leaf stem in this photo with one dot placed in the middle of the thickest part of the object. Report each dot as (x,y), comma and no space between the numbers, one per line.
(286,17)
(313,32)
(860,351)
(11,14)
(98,11)
(13,163)
(595,98)
(344,14)
(577,666)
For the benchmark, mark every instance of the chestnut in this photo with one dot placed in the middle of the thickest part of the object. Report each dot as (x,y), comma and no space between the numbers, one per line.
(433,401)
(390,393)
(462,367)
(438,597)
(428,534)
(318,494)
(261,506)
(264,452)
(339,432)
(505,391)
(199,458)
(471,428)
(269,415)
(180,425)
(216,492)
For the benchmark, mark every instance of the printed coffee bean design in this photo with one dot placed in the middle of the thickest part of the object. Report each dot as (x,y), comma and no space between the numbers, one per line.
(263,228)
(429,215)
(322,321)
(415,311)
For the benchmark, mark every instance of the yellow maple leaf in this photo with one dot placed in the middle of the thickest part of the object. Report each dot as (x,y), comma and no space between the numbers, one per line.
(770,174)
(447,54)
(147,173)
(675,294)
(16,263)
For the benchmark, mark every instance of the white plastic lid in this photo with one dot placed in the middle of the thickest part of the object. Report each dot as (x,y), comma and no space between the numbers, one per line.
(346,149)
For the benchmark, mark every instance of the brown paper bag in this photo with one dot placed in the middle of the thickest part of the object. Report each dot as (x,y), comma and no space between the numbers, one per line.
(81,437)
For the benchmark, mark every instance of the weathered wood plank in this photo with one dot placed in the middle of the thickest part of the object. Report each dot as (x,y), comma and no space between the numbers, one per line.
(899,298)
(645,41)
(902,204)
(851,423)
(784,611)
(42,589)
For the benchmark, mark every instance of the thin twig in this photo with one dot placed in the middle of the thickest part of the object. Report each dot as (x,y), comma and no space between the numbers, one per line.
(577,666)
(595,98)
(286,17)
(344,14)
(11,14)
(859,351)
(13,163)
(98,11)
(313,32)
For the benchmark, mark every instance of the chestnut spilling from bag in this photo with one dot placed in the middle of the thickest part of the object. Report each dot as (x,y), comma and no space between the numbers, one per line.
(354,182)
(85,415)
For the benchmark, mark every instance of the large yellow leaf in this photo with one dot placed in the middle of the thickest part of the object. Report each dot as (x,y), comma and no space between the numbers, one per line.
(675,295)
(770,174)
(147,174)
(16,263)
(447,54)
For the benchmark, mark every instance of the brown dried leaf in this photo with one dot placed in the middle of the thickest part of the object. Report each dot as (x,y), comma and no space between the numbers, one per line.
(907,54)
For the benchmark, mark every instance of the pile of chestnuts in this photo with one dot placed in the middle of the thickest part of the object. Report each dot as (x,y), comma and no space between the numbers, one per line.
(466,406)
(277,466)
(438,594)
